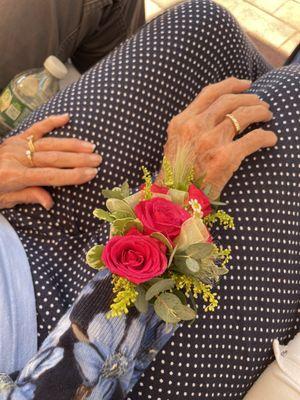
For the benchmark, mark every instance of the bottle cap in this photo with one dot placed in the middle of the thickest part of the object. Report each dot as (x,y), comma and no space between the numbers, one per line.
(55,67)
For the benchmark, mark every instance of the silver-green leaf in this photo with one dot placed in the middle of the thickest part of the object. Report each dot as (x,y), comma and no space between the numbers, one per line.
(158,287)
(198,251)
(165,305)
(185,313)
(141,304)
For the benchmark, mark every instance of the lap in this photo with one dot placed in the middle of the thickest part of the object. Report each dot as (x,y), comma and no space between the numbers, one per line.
(223,353)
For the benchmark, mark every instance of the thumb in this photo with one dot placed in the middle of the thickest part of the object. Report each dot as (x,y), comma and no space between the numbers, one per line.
(32,195)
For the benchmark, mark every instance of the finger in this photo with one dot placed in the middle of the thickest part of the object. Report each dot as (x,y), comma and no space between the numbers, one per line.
(58,177)
(58,159)
(32,195)
(252,142)
(227,104)
(212,92)
(245,117)
(61,144)
(41,128)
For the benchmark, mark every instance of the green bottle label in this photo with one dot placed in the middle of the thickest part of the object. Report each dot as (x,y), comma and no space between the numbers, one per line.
(12,109)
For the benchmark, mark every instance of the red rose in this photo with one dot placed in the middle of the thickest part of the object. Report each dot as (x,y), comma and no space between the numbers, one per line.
(203,200)
(135,256)
(161,215)
(156,188)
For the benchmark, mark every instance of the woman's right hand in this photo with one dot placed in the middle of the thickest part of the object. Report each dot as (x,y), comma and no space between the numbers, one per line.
(208,134)
(55,162)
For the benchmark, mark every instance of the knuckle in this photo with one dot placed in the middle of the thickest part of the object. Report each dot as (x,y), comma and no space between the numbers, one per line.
(233,80)
(226,98)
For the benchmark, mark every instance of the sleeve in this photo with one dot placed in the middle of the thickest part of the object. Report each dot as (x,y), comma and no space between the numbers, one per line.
(88,355)
(280,380)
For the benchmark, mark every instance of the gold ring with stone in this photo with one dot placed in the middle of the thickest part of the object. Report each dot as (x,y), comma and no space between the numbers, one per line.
(235,123)
(30,143)
(29,155)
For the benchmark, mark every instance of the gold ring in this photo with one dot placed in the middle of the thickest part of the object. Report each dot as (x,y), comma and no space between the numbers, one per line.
(235,123)
(30,143)
(29,155)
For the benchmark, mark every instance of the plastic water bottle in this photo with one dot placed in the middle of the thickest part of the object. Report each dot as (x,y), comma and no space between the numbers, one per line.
(28,91)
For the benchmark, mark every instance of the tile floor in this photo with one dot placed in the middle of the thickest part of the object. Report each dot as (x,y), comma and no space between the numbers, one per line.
(274,25)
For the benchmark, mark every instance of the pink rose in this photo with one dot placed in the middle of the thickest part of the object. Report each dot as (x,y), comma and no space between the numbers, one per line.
(161,215)
(203,200)
(157,189)
(135,256)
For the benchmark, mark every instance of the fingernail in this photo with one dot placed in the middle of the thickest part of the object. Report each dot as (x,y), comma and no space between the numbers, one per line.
(65,115)
(91,172)
(89,145)
(96,158)
(48,206)
(246,81)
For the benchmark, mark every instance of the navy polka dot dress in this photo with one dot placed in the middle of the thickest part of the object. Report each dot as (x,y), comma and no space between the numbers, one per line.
(124,105)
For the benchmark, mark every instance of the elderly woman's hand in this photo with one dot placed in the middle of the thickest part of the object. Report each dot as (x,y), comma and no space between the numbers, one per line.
(204,127)
(55,162)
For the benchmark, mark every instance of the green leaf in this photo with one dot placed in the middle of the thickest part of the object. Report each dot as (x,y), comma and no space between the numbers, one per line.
(125,189)
(185,313)
(158,287)
(93,257)
(112,194)
(210,272)
(182,297)
(103,215)
(141,304)
(199,250)
(115,205)
(192,265)
(163,239)
(124,224)
(184,265)
(120,214)
(164,307)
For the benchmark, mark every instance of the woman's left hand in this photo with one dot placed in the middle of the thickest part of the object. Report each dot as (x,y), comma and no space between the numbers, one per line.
(205,131)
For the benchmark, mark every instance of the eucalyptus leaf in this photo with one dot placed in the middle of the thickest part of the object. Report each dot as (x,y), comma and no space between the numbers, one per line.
(163,239)
(210,272)
(192,265)
(125,189)
(103,215)
(199,250)
(158,287)
(141,304)
(115,205)
(182,297)
(93,257)
(182,265)
(185,313)
(164,306)
(112,194)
